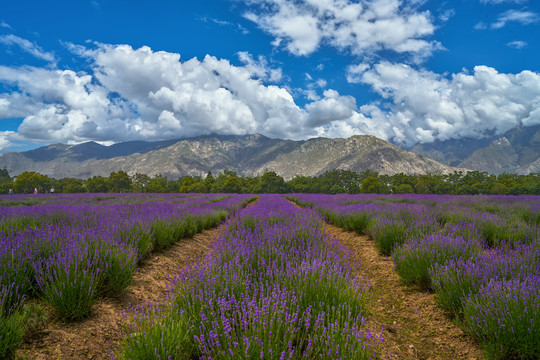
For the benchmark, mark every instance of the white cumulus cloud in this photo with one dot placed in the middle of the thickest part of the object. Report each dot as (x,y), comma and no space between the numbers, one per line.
(425,106)
(143,94)
(129,94)
(359,27)
(330,108)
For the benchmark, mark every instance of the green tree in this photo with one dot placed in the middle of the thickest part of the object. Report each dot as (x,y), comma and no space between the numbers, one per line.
(442,185)
(371,184)
(208,181)
(271,183)
(71,185)
(499,189)
(29,180)
(185,183)
(337,189)
(173,185)
(232,185)
(139,182)
(527,184)
(397,180)
(422,186)
(97,184)
(196,187)
(119,182)
(301,184)
(404,189)
(191,184)
(474,182)
(219,182)
(6,182)
(339,181)
(155,187)
(4,175)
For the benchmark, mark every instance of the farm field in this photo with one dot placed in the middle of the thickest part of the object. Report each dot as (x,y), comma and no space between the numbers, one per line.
(400,277)
(480,255)
(73,250)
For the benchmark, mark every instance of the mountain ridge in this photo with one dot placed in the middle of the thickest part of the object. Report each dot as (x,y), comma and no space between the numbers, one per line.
(516,151)
(245,154)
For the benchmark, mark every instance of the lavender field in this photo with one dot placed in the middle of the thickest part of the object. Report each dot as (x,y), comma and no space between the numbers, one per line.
(480,255)
(69,250)
(274,287)
(275,284)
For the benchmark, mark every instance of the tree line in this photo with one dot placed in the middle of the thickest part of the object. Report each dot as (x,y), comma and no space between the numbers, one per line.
(331,182)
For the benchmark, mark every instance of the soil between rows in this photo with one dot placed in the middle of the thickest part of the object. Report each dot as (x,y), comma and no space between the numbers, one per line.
(414,327)
(93,337)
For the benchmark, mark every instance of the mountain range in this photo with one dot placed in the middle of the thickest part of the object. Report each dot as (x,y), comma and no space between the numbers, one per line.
(516,151)
(245,154)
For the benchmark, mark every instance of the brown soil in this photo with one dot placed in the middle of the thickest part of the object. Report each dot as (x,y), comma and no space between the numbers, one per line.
(413,326)
(93,337)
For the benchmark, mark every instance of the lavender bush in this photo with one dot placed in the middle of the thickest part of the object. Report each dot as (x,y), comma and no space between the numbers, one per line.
(505,317)
(71,281)
(11,335)
(459,278)
(11,321)
(387,233)
(414,259)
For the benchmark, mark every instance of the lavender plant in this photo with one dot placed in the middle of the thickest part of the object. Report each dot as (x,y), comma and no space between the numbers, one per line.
(154,334)
(10,298)
(387,233)
(459,278)
(11,321)
(414,259)
(466,230)
(505,317)
(11,335)
(121,261)
(71,280)
(352,221)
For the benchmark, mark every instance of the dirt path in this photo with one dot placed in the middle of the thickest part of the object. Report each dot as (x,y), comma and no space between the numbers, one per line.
(91,338)
(413,326)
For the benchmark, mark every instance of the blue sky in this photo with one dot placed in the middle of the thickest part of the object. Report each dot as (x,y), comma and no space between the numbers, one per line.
(405,71)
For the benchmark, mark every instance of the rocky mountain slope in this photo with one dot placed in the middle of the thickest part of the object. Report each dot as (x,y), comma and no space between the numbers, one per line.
(249,154)
(517,151)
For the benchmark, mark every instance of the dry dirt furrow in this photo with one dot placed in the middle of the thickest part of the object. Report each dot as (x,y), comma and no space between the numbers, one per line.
(413,326)
(91,338)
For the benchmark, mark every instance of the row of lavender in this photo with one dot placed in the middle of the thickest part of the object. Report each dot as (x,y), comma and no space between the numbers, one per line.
(480,254)
(72,249)
(275,286)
